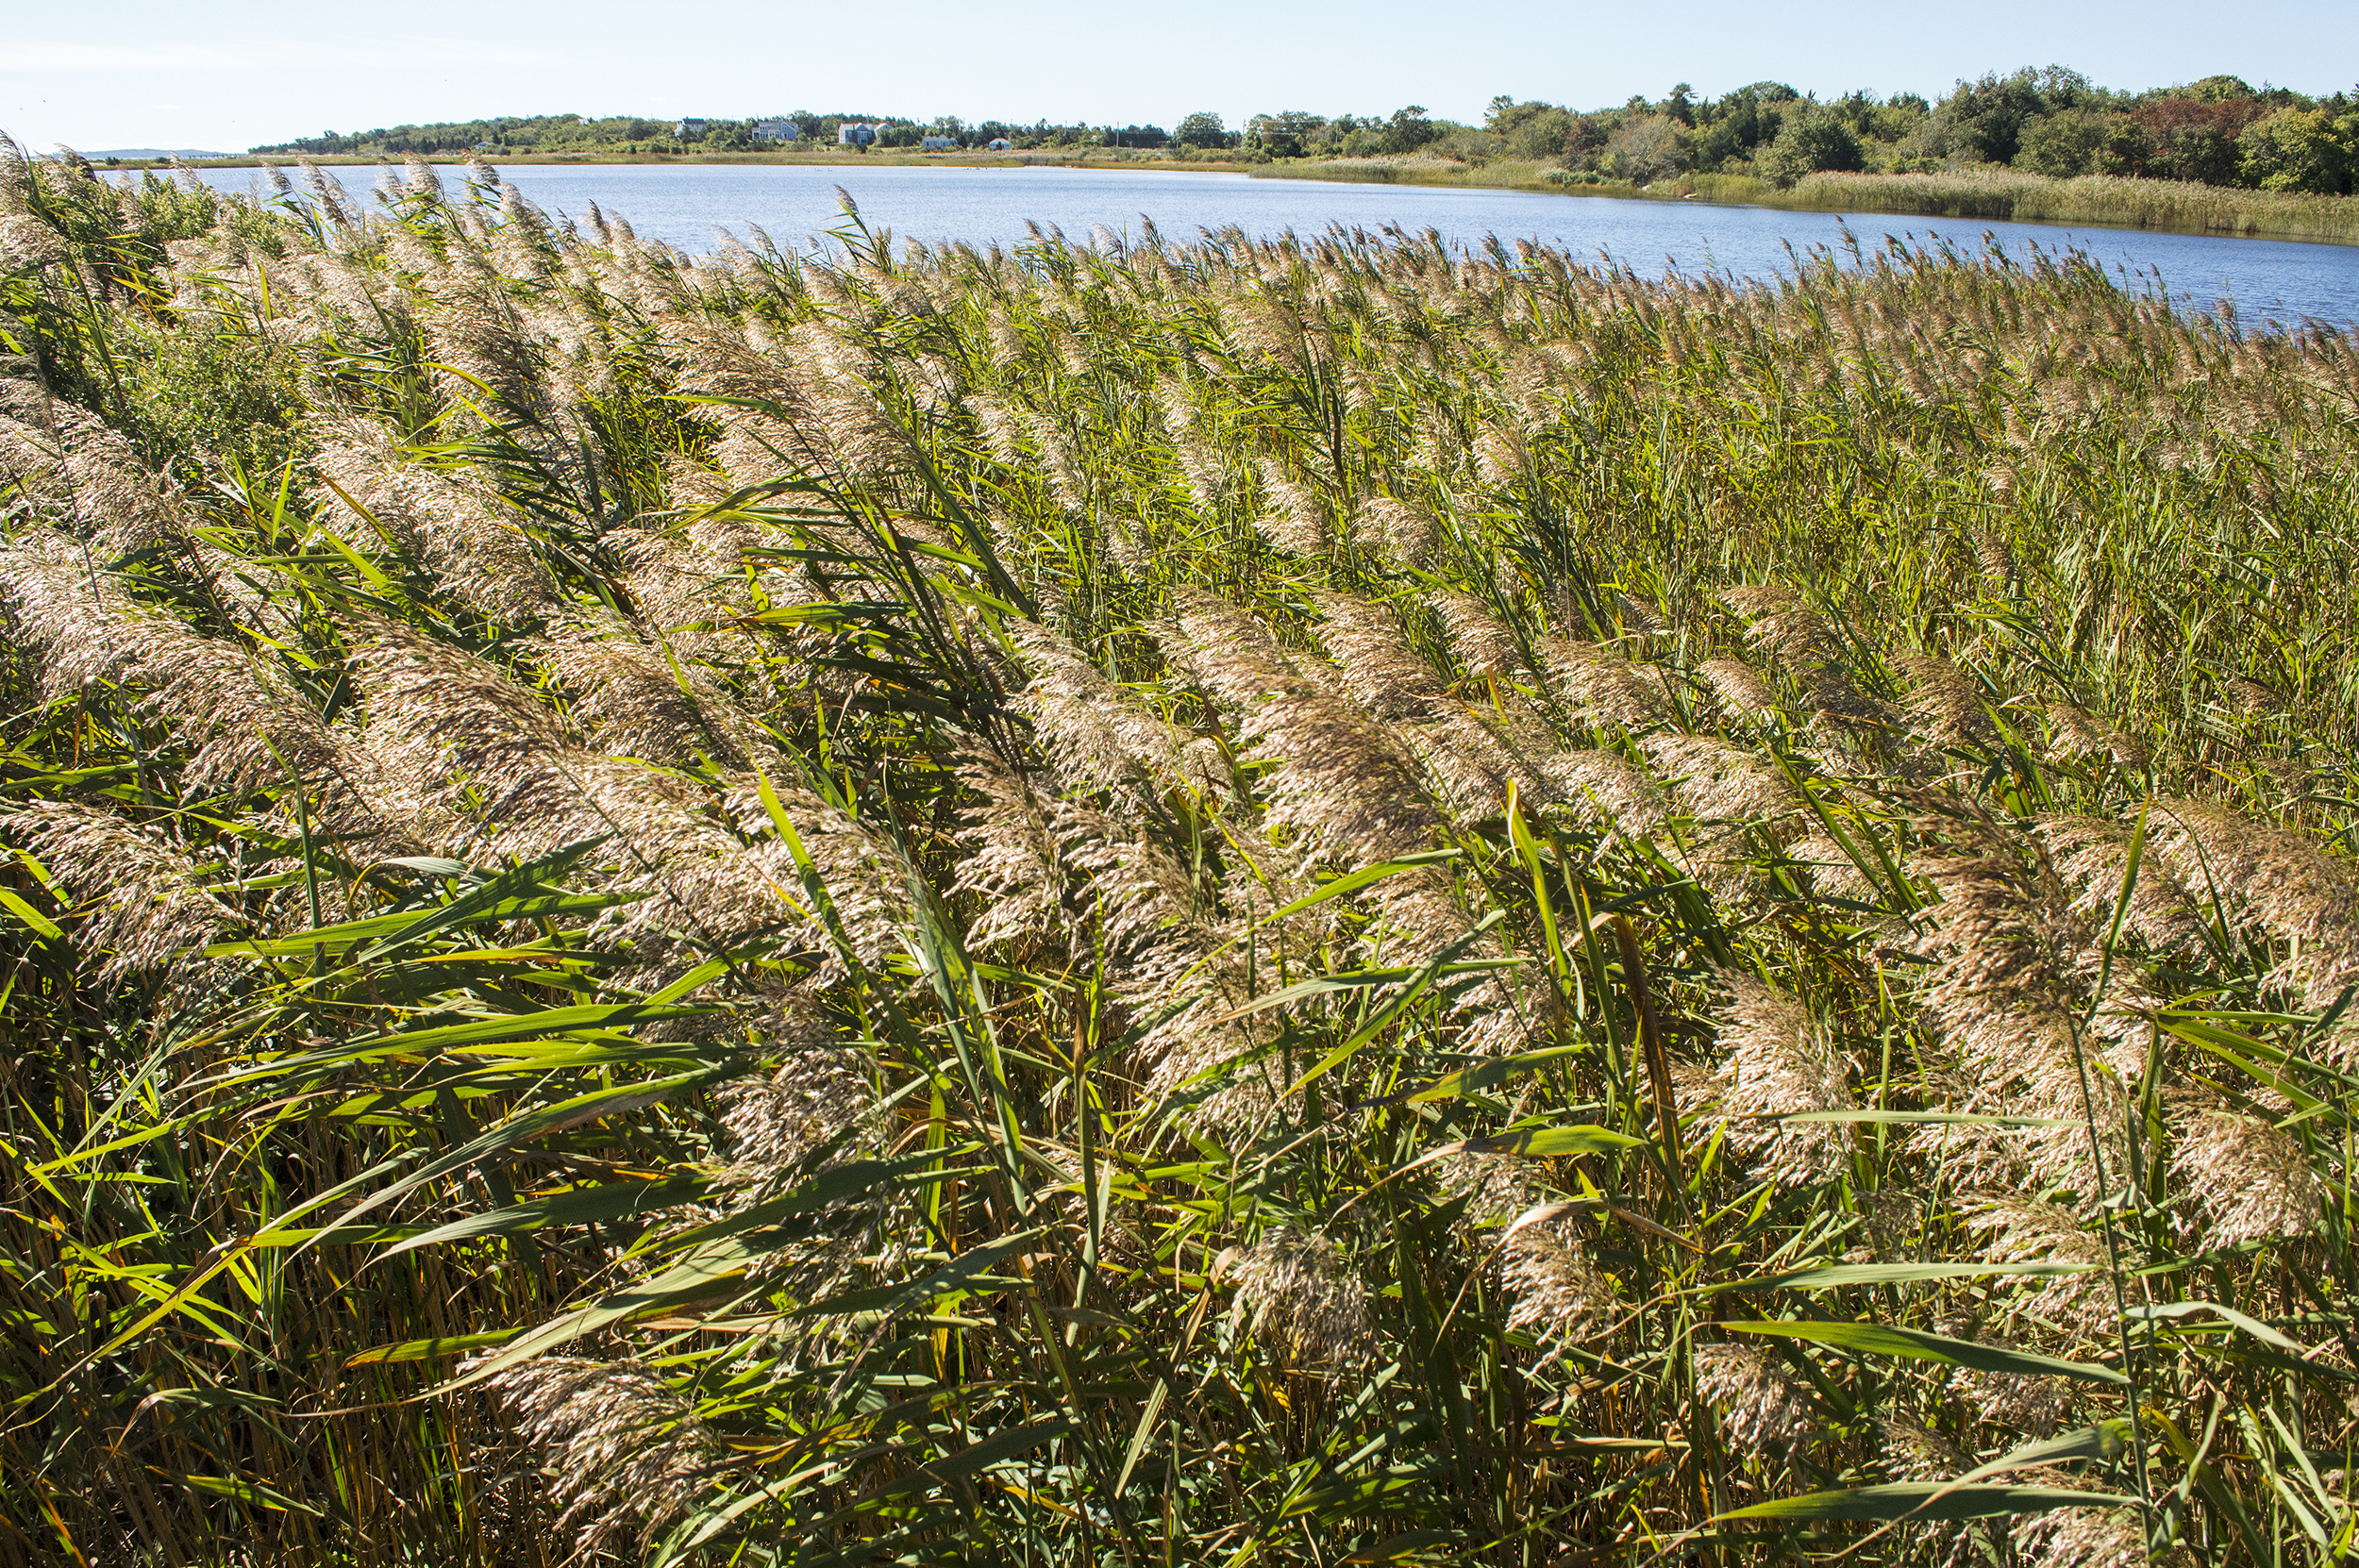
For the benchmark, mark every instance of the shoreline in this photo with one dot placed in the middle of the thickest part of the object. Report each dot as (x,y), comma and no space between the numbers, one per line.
(1101,160)
(1988,196)
(2004,195)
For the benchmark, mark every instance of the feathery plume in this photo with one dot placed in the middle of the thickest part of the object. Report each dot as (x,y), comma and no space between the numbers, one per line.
(629,697)
(456,526)
(1946,706)
(1377,670)
(2254,1179)
(1780,1063)
(1095,733)
(1740,688)
(1012,856)
(2092,1538)
(1485,645)
(1915,1453)
(1496,1187)
(2001,995)
(1603,689)
(774,1123)
(2093,857)
(26,243)
(2026,1230)
(242,722)
(1610,791)
(1346,793)
(1783,623)
(1399,532)
(1720,782)
(141,899)
(617,1445)
(1555,1292)
(2282,881)
(1833,871)
(1765,1408)
(1292,519)
(1303,1299)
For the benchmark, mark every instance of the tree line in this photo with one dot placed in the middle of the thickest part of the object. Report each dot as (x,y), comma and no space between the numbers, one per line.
(570,133)
(2221,130)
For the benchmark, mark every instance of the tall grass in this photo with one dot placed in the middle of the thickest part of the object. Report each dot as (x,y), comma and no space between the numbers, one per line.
(1995,194)
(1218,902)
(2182,206)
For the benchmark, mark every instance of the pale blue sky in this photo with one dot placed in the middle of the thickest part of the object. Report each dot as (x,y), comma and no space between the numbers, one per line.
(231,75)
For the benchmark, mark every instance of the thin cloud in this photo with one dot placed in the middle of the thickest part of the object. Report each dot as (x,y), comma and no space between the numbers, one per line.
(257,54)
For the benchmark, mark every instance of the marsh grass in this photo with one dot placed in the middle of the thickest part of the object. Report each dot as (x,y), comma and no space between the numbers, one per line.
(1229,901)
(2008,195)
(2000,195)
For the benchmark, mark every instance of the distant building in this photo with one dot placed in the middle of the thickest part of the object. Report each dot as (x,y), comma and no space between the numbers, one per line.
(856,133)
(938,144)
(1000,145)
(687,129)
(777,130)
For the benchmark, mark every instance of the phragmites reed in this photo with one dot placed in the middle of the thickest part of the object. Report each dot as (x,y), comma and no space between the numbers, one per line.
(1121,897)
(622,1456)
(2253,1180)
(1555,1290)
(144,900)
(819,1097)
(1303,1299)
(459,529)
(1780,1065)
(1761,1405)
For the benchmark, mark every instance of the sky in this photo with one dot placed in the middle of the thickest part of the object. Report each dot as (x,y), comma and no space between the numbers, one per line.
(231,75)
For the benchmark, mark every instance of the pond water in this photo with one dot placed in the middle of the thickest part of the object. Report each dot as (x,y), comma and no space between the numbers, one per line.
(2281,281)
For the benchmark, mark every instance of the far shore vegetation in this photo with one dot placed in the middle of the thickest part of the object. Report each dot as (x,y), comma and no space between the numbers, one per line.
(2217,156)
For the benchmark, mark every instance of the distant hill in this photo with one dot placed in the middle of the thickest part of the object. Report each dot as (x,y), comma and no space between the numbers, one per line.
(153,151)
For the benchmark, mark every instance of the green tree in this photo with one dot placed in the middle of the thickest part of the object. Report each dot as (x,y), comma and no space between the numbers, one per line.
(1647,147)
(1983,121)
(1535,130)
(1808,143)
(2296,149)
(1203,129)
(1289,133)
(2079,141)
(1739,123)
(1408,130)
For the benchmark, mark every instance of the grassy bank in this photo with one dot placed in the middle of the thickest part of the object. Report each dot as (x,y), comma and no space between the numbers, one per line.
(1240,902)
(2006,194)
(2000,195)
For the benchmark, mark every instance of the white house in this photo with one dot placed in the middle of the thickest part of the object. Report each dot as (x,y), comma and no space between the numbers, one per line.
(688,128)
(938,144)
(855,133)
(777,130)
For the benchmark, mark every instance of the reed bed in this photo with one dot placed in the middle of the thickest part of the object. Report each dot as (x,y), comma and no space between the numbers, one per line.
(1195,901)
(1989,195)
(2005,194)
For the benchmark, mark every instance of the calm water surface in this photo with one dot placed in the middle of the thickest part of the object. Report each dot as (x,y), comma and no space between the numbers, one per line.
(688,205)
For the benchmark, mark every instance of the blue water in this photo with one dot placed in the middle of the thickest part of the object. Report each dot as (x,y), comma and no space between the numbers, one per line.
(2275,280)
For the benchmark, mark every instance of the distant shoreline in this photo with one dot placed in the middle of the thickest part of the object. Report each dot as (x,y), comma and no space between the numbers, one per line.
(1989,196)
(1088,158)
